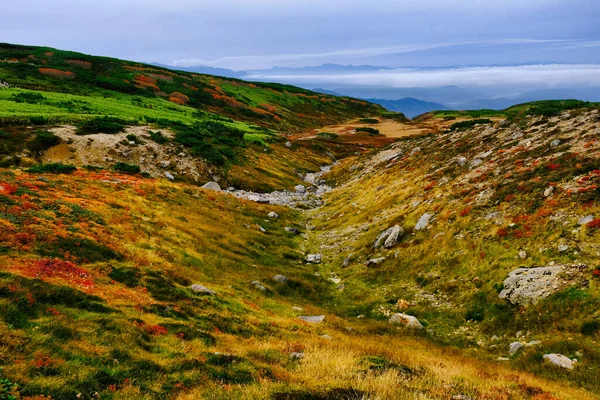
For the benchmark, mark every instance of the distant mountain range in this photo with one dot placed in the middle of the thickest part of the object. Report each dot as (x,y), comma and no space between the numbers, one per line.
(411,101)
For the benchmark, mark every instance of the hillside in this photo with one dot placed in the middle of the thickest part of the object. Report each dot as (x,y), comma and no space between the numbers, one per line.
(124,276)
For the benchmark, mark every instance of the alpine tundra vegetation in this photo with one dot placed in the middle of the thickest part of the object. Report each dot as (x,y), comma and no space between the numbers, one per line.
(170,235)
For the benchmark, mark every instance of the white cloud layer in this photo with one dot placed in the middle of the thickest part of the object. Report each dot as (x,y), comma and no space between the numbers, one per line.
(554,75)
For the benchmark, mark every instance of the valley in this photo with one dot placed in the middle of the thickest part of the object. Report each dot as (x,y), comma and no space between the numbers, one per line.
(260,241)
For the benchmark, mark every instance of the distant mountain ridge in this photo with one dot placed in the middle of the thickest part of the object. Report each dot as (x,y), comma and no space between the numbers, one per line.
(409,106)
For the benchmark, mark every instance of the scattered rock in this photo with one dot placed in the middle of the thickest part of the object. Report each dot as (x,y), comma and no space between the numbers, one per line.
(461,161)
(273,214)
(260,228)
(169,175)
(585,220)
(533,343)
(347,260)
(296,308)
(293,230)
(415,151)
(407,320)
(288,144)
(476,162)
(555,143)
(562,248)
(559,360)
(514,347)
(326,337)
(313,258)
(212,186)
(258,285)
(300,189)
(202,289)
(423,221)
(280,278)
(313,319)
(393,237)
(296,355)
(375,261)
(382,237)
(503,359)
(528,285)
(522,254)
(549,191)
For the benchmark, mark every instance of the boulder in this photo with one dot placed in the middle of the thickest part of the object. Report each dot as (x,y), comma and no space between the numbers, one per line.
(585,220)
(559,360)
(393,237)
(461,161)
(169,175)
(423,221)
(313,319)
(212,186)
(313,258)
(273,214)
(407,320)
(197,288)
(549,191)
(300,189)
(375,261)
(280,278)
(382,237)
(293,230)
(528,285)
(258,285)
(514,347)
(296,355)
(347,260)
(555,143)
(288,144)
(522,254)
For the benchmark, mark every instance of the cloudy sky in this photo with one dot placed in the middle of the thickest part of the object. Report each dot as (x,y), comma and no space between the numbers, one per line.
(259,34)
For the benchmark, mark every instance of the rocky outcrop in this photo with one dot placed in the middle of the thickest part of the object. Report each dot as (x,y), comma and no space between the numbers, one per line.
(406,320)
(528,285)
(559,360)
(313,319)
(197,288)
(423,222)
(389,237)
(212,186)
(280,278)
(313,258)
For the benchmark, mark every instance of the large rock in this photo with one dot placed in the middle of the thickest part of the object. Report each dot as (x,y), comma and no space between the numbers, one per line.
(197,288)
(393,237)
(559,360)
(528,285)
(381,238)
(313,258)
(375,261)
(514,347)
(313,319)
(407,320)
(212,186)
(280,278)
(423,221)
(258,285)
(273,215)
(300,189)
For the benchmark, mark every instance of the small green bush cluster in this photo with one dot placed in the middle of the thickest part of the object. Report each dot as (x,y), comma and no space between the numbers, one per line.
(130,169)
(327,135)
(370,131)
(368,121)
(53,168)
(28,97)
(158,137)
(210,140)
(42,141)
(108,125)
(463,125)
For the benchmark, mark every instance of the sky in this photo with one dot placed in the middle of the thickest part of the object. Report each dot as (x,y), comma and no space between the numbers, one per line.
(260,34)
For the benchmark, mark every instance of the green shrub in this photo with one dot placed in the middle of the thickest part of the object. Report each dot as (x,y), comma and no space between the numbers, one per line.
(463,125)
(368,120)
(53,168)
(370,131)
(28,97)
(131,169)
(108,125)
(158,137)
(327,135)
(42,141)
(590,328)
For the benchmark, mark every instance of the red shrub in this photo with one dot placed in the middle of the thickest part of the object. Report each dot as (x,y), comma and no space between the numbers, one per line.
(80,63)
(502,232)
(179,98)
(156,330)
(593,224)
(7,188)
(57,73)
(596,273)
(465,212)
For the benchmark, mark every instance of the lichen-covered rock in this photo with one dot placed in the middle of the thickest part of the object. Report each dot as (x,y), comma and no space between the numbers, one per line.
(313,319)
(280,278)
(528,285)
(212,186)
(423,221)
(313,258)
(394,236)
(407,320)
(559,360)
(197,288)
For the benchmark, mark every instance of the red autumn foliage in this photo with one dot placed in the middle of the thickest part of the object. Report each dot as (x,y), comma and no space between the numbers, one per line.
(41,361)
(593,224)
(502,232)
(62,269)
(596,273)
(552,166)
(156,330)
(7,188)
(57,73)
(465,212)
(430,186)
(182,98)
(80,63)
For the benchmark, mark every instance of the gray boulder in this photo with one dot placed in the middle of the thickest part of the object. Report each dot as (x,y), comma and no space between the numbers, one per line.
(514,347)
(393,237)
(296,355)
(559,360)
(406,320)
(528,285)
(258,285)
(280,278)
(300,189)
(347,260)
(313,258)
(381,238)
(313,319)
(169,176)
(197,288)
(212,186)
(585,220)
(375,261)
(273,214)
(293,230)
(423,221)
(288,144)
